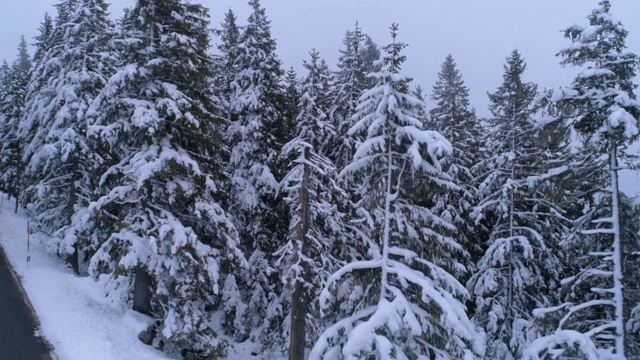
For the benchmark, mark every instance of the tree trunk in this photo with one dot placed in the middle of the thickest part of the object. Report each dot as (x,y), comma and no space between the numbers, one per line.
(142,293)
(299,300)
(68,214)
(298,323)
(17,196)
(618,287)
(74,259)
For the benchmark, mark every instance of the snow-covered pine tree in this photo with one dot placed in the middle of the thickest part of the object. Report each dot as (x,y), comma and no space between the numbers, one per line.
(453,117)
(519,268)
(46,70)
(285,129)
(291,102)
(60,175)
(256,109)
(225,62)
(4,80)
(43,38)
(568,336)
(601,107)
(12,110)
(5,72)
(350,81)
(397,302)
(371,59)
(165,236)
(311,190)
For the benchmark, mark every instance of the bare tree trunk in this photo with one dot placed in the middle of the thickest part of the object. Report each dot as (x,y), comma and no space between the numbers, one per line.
(142,293)
(299,298)
(69,209)
(17,196)
(298,323)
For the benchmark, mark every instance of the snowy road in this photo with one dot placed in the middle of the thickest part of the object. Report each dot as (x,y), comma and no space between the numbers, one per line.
(17,326)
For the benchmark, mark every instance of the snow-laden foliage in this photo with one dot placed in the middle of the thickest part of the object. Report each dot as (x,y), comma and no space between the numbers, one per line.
(255,87)
(350,81)
(254,152)
(225,62)
(160,214)
(519,270)
(15,82)
(400,303)
(312,193)
(62,166)
(43,39)
(601,106)
(453,117)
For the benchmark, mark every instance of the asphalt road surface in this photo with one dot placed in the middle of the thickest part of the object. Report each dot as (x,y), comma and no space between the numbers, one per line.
(17,325)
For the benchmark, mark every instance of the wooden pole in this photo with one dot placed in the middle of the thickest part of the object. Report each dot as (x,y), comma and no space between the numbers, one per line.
(28,243)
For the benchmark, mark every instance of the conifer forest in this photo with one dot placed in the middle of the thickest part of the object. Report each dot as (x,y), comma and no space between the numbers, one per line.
(342,212)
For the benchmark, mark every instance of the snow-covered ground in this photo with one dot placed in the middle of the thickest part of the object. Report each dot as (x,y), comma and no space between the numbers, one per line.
(76,317)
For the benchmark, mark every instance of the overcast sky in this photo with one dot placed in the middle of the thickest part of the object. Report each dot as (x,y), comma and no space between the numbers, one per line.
(479,34)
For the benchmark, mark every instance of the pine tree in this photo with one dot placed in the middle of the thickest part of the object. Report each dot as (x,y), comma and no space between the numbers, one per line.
(59,178)
(166,237)
(601,107)
(351,81)
(398,301)
(453,117)
(370,58)
(46,70)
(43,38)
(256,107)
(292,100)
(5,69)
(519,268)
(311,190)
(225,62)
(12,110)
(5,83)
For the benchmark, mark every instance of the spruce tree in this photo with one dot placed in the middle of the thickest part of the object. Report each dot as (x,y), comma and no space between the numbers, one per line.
(519,269)
(394,299)
(59,178)
(350,81)
(12,110)
(43,38)
(311,190)
(166,237)
(46,70)
(256,105)
(600,106)
(5,83)
(4,79)
(225,62)
(370,56)
(291,101)
(453,117)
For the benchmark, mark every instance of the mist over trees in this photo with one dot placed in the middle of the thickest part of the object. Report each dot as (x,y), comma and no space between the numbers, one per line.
(344,212)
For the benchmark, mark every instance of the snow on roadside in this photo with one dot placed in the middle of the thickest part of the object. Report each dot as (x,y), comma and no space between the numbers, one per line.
(76,318)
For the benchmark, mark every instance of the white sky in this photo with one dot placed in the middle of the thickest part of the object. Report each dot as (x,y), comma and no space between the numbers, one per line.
(478,33)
